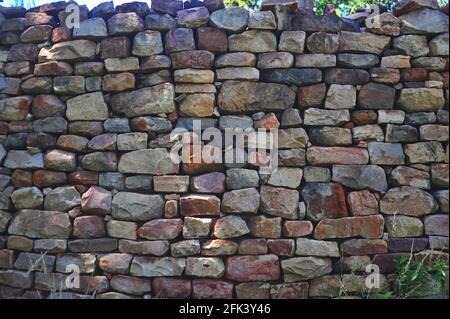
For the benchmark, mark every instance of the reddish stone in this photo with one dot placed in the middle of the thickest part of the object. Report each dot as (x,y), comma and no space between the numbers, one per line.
(414,75)
(47,106)
(252,268)
(171,288)
(200,205)
(281,247)
(161,229)
(212,39)
(96,200)
(89,227)
(364,117)
(385,75)
(267,121)
(15,108)
(324,200)
(253,290)
(370,227)
(312,95)
(209,183)
(211,289)
(362,203)
(61,34)
(171,209)
(118,47)
(45,178)
(297,228)
(21,178)
(197,59)
(38,18)
(83,178)
(337,156)
(53,68)
(387,262)
(296,290)
(72,143)
(362,247)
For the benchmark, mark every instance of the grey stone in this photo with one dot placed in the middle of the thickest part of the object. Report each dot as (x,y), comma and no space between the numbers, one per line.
(386,153)
(234,19)
(361,177)
(41,224)
(417,22)
(27,197)
(62,199)
(23,160)
(149,161)
(311,247)
(91,29)
(241,201)
(157,267)
(137,207)
(305,268)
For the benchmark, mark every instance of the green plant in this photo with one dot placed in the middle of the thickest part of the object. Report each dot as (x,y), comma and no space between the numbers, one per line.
(413,275)
(249,4)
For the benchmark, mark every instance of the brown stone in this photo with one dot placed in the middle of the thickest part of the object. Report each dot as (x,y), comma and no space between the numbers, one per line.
(337,155)
(96,201)
(362,203)
(370,227)
(297,228)
(252,268)
(197,59)
(161,229)
(45,178)
(200,205)
(362,247)
(89,227)
(281,247)
(211,289)
(212,39)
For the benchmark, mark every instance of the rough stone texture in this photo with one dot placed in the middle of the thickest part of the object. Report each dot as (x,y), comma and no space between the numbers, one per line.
(91,120)
(324,200)
(305,268)
(397,201)
(245,97)
(252,268)
(137,207)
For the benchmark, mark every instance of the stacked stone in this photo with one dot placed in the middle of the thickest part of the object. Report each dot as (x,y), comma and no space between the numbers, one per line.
(86,178)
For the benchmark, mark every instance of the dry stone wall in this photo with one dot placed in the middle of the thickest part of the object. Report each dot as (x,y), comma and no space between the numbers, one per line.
(85,174)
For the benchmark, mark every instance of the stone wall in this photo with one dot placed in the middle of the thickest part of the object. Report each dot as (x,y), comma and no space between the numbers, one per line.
(85,174)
